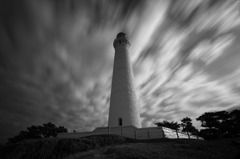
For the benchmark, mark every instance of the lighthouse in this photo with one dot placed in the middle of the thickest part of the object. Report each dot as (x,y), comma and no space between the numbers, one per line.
(124,110)
(124,115)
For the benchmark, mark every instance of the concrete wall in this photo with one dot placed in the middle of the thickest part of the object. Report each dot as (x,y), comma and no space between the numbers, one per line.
(149,133)
(132,132)
(126,131)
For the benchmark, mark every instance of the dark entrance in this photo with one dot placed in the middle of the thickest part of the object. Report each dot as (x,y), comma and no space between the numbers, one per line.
(119,121)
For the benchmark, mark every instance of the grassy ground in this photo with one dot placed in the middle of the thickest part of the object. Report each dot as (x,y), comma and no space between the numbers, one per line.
(55,148)
(173,149)
(117,147)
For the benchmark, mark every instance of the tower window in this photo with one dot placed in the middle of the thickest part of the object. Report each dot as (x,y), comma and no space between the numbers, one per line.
(119,121)
(120,41)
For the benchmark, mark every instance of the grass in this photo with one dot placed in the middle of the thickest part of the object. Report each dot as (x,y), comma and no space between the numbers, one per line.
(55,148)
(117,147)
(171,149)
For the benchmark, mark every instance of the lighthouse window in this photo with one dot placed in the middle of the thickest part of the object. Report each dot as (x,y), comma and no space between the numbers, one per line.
(119,121)
(119,41)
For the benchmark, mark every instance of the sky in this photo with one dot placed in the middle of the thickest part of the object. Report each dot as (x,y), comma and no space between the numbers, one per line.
(56,60)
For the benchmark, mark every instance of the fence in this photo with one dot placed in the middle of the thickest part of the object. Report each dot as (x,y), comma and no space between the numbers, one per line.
(133,132)
(175,134)
(152,133)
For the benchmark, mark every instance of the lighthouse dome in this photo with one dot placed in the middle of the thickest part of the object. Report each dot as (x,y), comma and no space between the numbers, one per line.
(121,39)
(121,34)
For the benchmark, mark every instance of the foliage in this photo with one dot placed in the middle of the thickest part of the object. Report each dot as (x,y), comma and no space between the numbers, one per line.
(220,124)
(171,125)
(187,125)
(217,124)
(209,134)
(36,132)
(55,148)
(170,149)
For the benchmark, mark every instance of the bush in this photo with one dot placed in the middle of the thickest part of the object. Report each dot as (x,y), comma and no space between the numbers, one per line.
(57,148)
(37,132)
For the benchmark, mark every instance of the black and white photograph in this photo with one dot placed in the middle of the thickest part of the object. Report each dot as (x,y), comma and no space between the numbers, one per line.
(119,79)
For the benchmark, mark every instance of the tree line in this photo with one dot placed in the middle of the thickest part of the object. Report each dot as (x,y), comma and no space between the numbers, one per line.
(37,132)
(218,124)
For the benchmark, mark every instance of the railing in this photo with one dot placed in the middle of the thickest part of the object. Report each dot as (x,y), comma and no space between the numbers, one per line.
(148,133)
(133,132)
(175,134)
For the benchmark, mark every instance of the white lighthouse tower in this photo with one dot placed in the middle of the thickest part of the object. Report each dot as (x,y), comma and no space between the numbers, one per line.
(124,110)
(124,115)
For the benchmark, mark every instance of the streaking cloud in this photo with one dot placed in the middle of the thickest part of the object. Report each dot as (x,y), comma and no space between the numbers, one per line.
(56,60)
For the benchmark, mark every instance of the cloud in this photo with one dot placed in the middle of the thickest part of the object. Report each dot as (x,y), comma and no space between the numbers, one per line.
(56,60)
(184,86)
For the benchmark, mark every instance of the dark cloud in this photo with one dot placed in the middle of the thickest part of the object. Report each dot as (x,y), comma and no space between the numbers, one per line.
(56,59)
